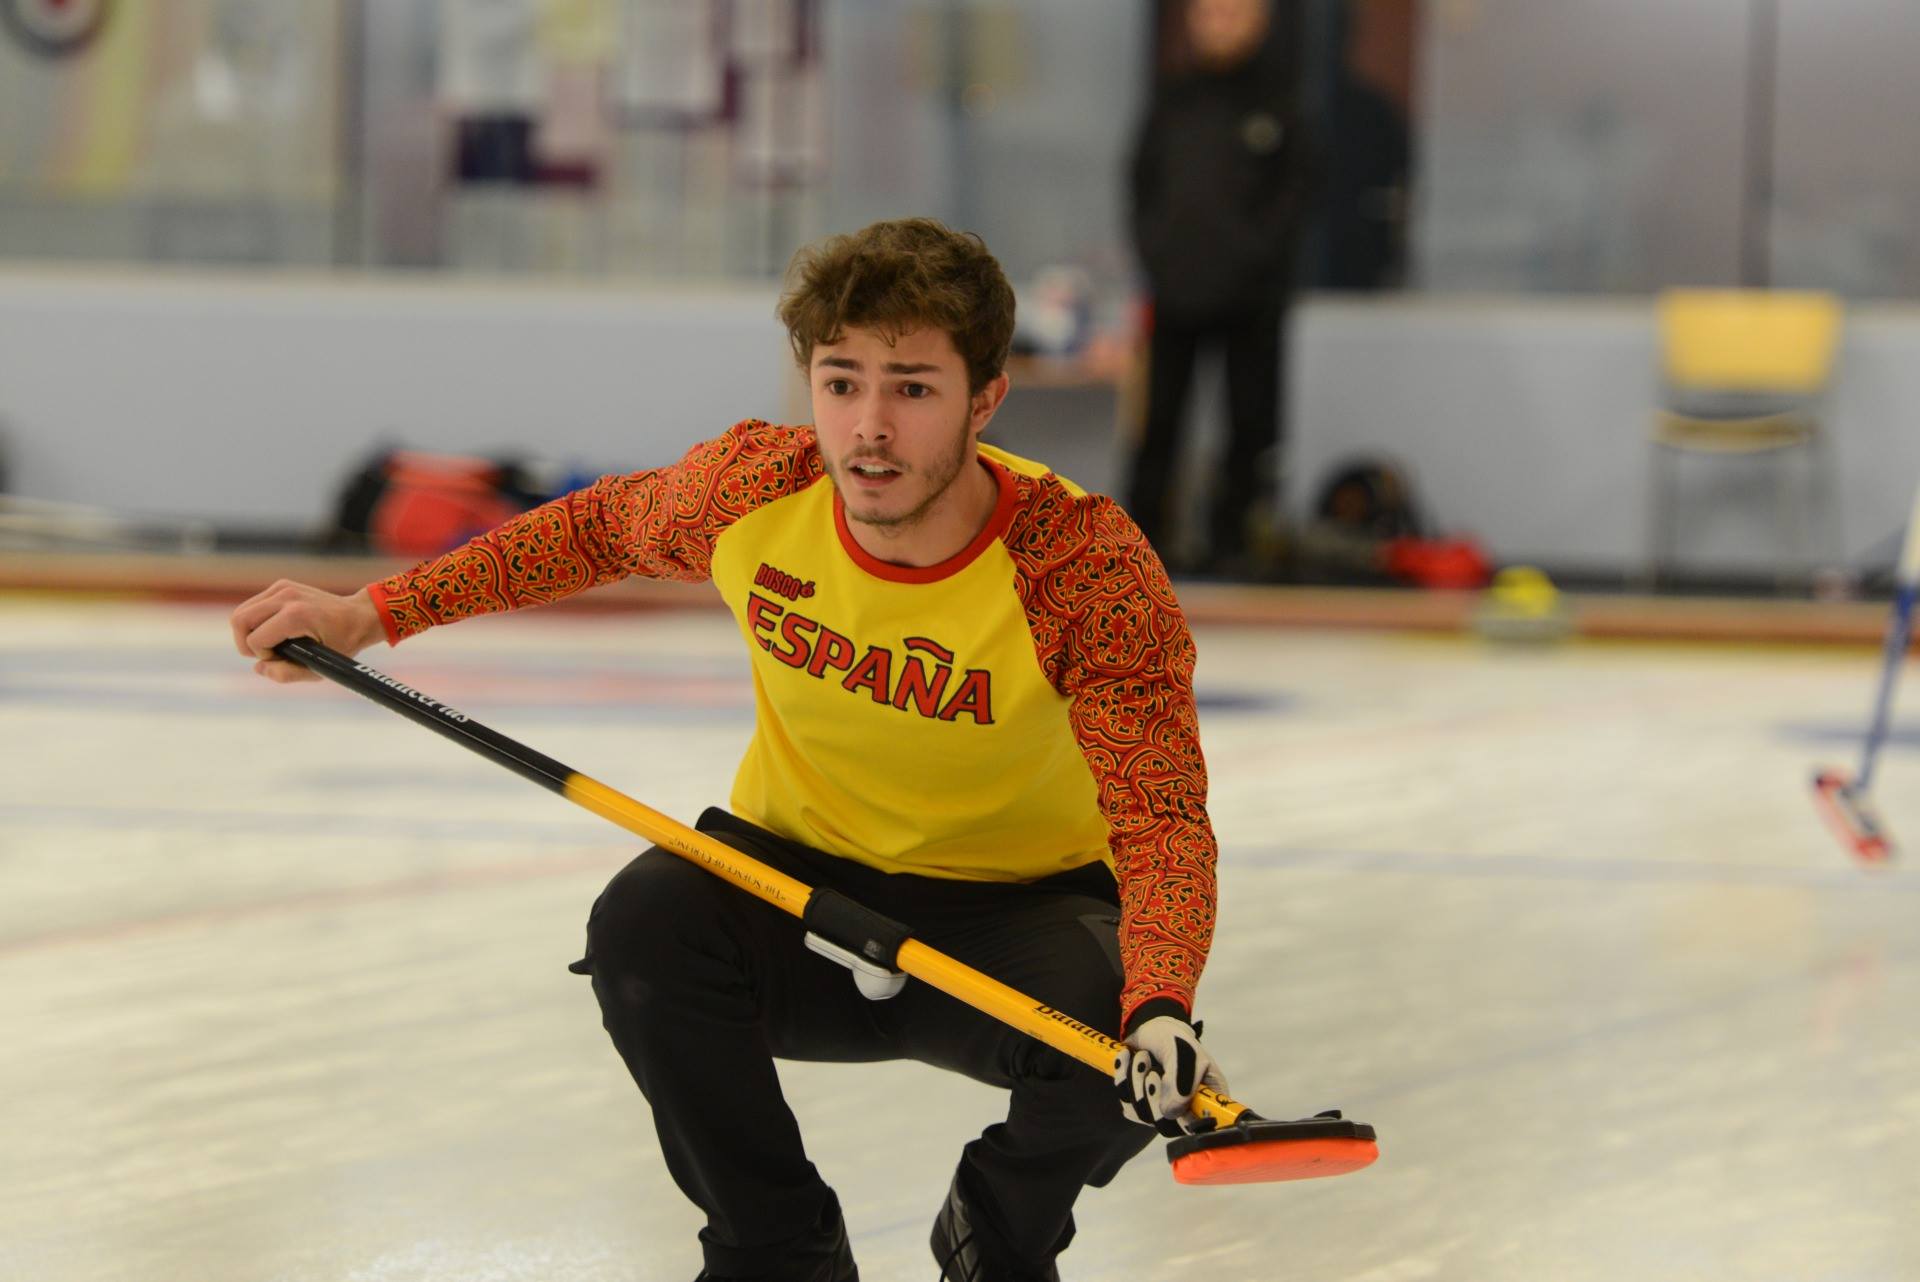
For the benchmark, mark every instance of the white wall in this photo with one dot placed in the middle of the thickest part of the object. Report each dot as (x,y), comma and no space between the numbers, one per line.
(1525,421)
(247,401)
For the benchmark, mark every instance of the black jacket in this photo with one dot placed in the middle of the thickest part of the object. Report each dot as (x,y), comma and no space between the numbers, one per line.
(1218,179)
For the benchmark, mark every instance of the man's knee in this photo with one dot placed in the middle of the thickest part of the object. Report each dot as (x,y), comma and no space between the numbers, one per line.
(1090,998)
(640,920)
(1086,980)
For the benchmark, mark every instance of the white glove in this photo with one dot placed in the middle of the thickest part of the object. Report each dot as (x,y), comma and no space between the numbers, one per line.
(1156,1076)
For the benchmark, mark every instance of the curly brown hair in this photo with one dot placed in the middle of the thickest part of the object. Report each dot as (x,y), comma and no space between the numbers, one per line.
(897,277)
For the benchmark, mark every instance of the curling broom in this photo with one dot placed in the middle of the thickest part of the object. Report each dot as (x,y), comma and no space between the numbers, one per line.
(1242,1147)
(1845,802)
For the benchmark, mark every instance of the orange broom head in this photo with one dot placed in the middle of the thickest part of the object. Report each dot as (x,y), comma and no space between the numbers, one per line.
(1256,1151)
(1850,814)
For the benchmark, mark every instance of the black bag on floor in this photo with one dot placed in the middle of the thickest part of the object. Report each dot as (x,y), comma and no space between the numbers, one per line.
(1367,529)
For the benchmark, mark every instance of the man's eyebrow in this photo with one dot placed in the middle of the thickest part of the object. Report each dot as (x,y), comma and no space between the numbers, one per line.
(891,367)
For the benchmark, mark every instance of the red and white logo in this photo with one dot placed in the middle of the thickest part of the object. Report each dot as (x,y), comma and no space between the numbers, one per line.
(54,28)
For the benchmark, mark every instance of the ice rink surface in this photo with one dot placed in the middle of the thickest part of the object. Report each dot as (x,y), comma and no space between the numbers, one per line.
(284,999)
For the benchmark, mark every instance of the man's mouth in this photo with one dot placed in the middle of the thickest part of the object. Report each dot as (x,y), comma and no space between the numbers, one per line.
(872,470)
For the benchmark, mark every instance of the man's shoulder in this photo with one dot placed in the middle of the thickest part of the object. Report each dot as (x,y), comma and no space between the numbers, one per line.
(749,466)
(1091,584)
(1057,525)
(757,439)
(763,456)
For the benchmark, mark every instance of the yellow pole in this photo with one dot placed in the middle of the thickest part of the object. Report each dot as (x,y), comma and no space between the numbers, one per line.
(1064,1034)
(1055,1028)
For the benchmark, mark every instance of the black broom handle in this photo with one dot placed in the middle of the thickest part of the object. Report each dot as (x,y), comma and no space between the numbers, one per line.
(431,713)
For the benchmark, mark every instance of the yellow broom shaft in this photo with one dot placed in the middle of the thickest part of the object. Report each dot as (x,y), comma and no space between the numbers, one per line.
(749,874)
(783,892)
(1056,1029)
(929,965)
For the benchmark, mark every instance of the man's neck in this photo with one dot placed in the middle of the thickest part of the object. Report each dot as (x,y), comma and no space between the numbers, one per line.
(947,527)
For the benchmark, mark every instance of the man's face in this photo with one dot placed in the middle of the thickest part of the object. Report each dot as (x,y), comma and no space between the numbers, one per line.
(895,421)
(1226,31)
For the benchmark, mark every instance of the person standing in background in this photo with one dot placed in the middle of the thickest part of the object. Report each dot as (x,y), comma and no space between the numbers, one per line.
(1216,189)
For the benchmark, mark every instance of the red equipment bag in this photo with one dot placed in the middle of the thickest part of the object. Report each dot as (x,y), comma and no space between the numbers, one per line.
(409,504)
(1438,563)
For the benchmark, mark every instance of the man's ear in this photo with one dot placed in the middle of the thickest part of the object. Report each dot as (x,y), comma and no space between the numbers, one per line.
(986,402)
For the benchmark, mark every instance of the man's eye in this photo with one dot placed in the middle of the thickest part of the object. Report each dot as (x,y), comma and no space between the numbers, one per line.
(839,386)
(916,391)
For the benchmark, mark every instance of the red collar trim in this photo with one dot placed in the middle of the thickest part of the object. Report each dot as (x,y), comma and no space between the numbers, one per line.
(996,526)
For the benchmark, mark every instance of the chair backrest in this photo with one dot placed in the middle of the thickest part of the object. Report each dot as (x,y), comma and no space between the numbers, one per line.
(1748,340)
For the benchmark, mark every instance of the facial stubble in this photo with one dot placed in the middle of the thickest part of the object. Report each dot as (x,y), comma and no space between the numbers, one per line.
(943,473)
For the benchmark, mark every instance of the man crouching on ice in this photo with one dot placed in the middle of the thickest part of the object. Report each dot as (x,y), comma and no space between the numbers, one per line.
(975,715)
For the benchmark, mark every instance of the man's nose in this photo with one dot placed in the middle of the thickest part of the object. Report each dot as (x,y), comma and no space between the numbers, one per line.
(874,423)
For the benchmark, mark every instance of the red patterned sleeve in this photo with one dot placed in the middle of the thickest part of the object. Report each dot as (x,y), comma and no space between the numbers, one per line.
(659,523)
(1112,637)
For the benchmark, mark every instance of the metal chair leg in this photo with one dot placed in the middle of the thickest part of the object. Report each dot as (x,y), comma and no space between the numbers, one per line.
(1659,515)
(1790,502)
(1826,493)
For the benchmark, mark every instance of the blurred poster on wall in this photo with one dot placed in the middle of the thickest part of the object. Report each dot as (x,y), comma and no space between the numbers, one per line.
(75,123)
(578,42)
(209,97)
(672,67)
(765,31)
(251,63)
(489,58)
(577,33)
(782,130)
(782,112)
(525,81)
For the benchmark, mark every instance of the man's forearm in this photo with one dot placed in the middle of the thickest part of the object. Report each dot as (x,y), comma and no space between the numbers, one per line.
(578,541)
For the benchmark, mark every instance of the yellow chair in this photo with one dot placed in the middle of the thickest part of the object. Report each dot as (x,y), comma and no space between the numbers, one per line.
(1745,374)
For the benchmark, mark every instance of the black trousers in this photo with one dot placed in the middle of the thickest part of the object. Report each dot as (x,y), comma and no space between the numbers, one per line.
(702,986)
(1251,343)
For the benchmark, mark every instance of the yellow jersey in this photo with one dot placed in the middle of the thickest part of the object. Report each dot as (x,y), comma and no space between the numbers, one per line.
(1021,709)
